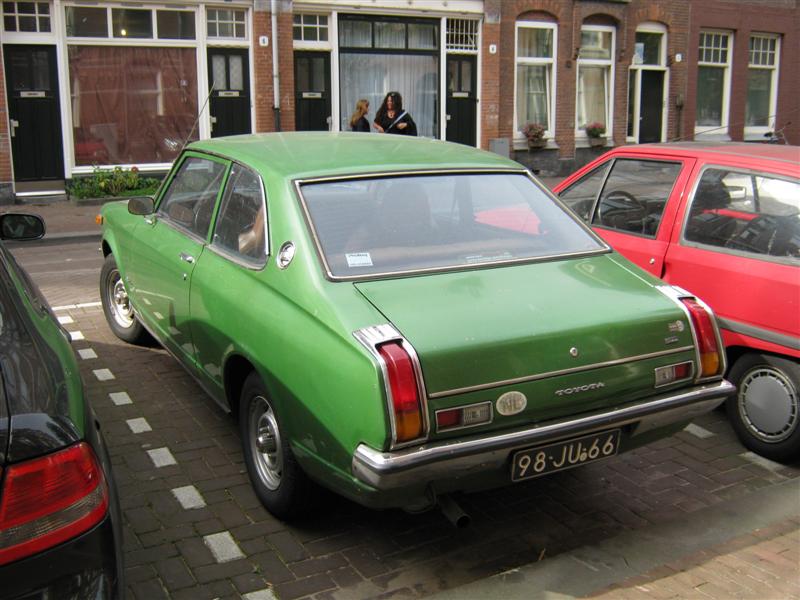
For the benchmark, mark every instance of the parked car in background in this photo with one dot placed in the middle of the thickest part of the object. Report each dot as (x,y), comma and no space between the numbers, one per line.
(399,319)
(60,527)
(721,220)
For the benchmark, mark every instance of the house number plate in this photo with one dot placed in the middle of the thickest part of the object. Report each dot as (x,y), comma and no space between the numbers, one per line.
(564,455)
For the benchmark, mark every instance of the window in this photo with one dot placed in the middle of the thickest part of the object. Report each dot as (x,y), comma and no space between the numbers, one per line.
(189,201)
(310,28)
(84,21)
(226,23)
(756,214)
(647,50)
(581,196)
(26,16)
(240,227)
(595,77)
(713,80)
(175,24)
(462,35)
(762,81)
(535,75)
(132,23)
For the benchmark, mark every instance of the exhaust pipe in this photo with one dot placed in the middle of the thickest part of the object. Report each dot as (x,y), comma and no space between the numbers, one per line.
(453,512)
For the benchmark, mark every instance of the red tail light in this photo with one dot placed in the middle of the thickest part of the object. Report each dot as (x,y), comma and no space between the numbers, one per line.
(405,392)
(706,337)
(49,500)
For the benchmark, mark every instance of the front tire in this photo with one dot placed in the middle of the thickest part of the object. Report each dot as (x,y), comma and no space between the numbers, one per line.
(117,307)
(277,479)
(765,411)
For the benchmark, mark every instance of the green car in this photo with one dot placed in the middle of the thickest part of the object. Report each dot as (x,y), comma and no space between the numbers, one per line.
(401,319)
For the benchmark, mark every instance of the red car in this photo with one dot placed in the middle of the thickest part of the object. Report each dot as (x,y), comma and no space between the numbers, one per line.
(721,220)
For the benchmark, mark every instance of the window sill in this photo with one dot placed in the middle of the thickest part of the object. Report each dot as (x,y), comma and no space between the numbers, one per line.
(519,144)
(584,143)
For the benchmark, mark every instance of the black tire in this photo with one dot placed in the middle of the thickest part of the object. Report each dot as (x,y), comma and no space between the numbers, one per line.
(765,411)
(116,306)
(277,479)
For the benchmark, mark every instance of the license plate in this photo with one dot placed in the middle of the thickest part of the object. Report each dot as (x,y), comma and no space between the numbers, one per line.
(534,462)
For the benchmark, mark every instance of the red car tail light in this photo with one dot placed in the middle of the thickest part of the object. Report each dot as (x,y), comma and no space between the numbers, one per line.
(405,391)
(49,500)
(710,361)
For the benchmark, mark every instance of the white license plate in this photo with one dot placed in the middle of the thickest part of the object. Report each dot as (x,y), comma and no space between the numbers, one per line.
(541,460)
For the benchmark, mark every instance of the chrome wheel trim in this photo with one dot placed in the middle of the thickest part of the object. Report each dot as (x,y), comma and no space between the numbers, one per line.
(118,301)
(769,404)
(265,442)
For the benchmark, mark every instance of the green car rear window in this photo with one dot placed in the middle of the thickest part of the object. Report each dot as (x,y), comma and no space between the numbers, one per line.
(389,225)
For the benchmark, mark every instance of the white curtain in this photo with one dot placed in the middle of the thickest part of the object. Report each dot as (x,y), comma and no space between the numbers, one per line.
(533,97)
(371,76)
(592,94)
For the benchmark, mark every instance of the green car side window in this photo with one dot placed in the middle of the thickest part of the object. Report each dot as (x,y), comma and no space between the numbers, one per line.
(241,225)
(189,200)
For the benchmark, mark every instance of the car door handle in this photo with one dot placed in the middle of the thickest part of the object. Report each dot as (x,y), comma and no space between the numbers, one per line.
(187,258)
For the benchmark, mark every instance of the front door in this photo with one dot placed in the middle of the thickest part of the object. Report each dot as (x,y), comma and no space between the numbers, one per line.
(462,101)
(34,112)
(651,106)
(229,74)
(312,84)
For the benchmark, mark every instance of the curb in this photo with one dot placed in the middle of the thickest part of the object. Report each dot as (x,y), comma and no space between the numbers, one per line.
(53,239)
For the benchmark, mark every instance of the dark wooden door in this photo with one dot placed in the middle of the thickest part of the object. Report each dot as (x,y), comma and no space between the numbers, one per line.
(462,99)
(34,112)
(312,84)
(229,74)
(651,107)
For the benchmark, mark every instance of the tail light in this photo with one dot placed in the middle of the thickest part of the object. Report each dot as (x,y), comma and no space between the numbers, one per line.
(705,331)
(49,500)
(403,387)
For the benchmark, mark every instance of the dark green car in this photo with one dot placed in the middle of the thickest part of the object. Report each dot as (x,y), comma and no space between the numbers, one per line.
(400,319)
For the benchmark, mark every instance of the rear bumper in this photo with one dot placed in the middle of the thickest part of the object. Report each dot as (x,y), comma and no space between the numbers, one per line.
(456,459)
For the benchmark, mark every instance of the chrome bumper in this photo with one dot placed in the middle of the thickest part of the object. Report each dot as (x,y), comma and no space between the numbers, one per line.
(453,459)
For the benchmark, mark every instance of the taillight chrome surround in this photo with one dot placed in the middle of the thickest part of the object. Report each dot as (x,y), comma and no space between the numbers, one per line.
(442,429)
(677,295)
(658,370)
(372,337)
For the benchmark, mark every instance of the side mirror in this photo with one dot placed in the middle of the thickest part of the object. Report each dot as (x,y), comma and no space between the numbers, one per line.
(22,227)
(141,205)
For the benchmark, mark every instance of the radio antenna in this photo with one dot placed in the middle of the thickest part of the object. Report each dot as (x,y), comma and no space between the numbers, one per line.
(197,120)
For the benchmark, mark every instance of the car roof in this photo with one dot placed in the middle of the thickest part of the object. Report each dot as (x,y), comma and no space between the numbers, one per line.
(302,155)
(719,151)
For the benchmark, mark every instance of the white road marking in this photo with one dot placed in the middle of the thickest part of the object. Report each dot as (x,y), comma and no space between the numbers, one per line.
(266,594)
(162,457)
(139,425)
(65,320)
(87,353)
(76,335)
(189,497)
(120,398)
(103,374)
(223,546)
(698,431)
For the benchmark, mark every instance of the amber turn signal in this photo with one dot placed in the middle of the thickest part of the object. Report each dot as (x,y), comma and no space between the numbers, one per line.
(99,219)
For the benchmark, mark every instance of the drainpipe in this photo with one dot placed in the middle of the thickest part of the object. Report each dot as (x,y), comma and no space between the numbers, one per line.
(276,79)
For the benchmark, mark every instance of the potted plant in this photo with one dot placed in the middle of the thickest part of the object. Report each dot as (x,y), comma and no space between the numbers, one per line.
(534,132)
(105,184)
(596,133)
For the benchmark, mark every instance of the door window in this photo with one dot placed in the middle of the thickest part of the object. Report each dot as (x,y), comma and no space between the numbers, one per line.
(635,194)
(189,201)
(757,214)
(581,196)
(241,225)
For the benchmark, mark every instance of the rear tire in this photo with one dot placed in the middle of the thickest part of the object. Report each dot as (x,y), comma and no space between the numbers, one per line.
(765,411)
(117,307)
(277,479)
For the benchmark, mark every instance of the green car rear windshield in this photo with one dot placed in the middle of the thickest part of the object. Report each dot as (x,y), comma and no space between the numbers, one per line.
(391,225)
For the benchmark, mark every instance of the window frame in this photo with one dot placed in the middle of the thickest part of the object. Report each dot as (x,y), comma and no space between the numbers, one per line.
(36,15)
(550,63)
(722,128)
(303,44)
(758,131)
(581,137)
(221,39)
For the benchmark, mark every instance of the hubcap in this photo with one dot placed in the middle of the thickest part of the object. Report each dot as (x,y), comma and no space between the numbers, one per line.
(118,301)
(768,403)
(265,442)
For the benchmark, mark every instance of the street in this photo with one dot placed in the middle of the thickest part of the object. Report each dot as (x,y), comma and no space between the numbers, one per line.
(194,528)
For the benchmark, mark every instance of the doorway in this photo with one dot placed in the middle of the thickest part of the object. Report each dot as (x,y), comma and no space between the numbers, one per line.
(34,112)
(651,106)
(312,84)
(229,105)
(462,100)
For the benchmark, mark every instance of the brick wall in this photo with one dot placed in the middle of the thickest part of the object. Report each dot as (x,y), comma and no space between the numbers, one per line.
(263,89)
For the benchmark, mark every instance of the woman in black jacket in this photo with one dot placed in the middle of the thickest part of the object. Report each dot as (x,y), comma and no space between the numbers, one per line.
(391,118)
(358,122)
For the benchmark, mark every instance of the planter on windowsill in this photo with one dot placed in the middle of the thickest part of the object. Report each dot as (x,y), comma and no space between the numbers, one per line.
(597,142)
(536,144)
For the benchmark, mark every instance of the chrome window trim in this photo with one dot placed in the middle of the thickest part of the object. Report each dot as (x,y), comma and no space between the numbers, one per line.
(783,260)
(371,337)
(460,427)
(603,247)
(560,372)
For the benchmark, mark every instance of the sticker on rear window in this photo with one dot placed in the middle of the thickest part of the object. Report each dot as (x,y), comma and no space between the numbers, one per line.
(358,259)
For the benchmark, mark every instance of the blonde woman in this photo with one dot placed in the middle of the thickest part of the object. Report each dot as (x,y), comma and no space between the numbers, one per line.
(358,122)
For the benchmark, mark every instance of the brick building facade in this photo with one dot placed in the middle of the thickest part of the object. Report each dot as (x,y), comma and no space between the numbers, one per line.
(118,84)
